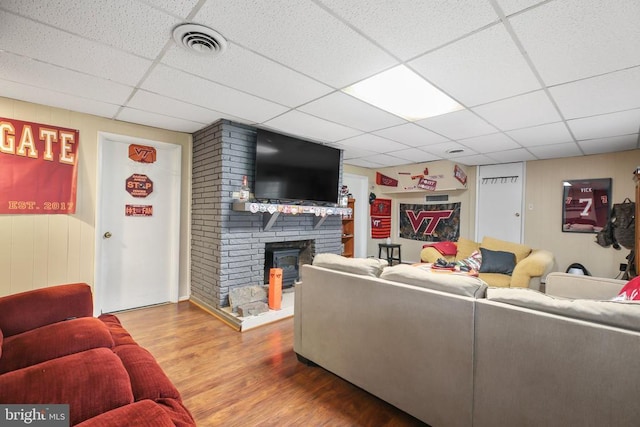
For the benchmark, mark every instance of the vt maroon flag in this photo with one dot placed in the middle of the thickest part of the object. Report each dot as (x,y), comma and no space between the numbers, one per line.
(430,223)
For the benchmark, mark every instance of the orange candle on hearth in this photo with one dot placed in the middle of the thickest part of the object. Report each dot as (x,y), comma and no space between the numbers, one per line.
(275,288)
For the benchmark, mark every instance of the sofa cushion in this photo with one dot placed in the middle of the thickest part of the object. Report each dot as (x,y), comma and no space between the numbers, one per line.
(423,277)
(119,334)
(520,251)
(55,340)
(90,382)
(497,280)
(497,261)
(1,339)
(362,266)
(465,248)
(148,380)
(32,309)
(142,413)
(622,314)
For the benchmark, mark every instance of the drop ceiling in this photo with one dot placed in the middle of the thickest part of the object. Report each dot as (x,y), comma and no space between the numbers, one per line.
(537,79)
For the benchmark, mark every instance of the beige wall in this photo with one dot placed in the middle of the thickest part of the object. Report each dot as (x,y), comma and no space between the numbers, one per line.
(44,250)
(542,224)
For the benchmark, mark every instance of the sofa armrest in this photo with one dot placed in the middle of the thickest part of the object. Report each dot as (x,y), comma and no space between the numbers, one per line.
(32,309)
(537,264)
(431,255)
(576,286)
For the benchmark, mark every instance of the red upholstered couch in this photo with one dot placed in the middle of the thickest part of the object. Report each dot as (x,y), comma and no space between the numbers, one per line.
(53,351)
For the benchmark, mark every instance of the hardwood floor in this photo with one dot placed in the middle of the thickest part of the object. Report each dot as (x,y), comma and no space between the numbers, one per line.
(253,378)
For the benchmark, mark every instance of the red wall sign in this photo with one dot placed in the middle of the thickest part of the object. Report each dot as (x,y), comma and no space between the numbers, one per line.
(142,153)
(138,210)
(38,168)
(139,185)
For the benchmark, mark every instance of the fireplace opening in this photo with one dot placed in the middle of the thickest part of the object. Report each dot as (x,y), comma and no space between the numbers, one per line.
(288,256)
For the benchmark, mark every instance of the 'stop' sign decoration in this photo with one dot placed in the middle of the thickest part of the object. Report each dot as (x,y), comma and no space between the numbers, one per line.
(38,168)
(139,185)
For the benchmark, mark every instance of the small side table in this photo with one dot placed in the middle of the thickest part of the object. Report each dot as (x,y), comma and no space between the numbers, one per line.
(390,249)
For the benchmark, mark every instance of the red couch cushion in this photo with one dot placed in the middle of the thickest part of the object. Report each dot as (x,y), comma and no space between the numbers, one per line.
(148,380)
(141,414)
(51,341)
(32,309)
(120,335)
(178,413)
(90,382)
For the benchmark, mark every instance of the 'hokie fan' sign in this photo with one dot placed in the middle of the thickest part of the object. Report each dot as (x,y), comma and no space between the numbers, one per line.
(38,168)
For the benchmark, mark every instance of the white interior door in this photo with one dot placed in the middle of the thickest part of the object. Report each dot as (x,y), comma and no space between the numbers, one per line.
(500,202)
(137,226)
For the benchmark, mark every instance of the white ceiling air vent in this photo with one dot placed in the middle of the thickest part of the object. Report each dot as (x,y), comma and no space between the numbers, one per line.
(199,39)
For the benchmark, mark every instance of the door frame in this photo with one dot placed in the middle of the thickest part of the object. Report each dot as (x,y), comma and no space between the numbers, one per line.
(174,277)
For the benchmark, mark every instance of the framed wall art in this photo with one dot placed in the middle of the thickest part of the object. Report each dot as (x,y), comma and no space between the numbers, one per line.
(586,205)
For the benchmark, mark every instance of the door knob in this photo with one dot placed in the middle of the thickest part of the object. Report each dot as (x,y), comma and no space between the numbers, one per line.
(107,235)
(517,214)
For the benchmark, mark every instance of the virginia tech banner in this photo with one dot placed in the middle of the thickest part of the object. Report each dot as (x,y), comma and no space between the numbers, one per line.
(430,223)
(38,168)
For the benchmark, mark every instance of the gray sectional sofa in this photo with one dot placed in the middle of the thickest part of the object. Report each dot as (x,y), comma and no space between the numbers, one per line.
(452,352)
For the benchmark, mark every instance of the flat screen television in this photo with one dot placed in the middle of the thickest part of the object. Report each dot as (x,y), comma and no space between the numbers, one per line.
(291,169)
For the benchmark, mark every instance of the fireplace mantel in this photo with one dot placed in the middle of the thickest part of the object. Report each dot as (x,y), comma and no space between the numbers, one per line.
(271,211)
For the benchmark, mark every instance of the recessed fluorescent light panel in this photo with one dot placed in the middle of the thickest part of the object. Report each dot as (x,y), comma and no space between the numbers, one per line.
(402,92)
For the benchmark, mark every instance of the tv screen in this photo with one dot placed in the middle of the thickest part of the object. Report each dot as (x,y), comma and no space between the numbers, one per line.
(291,169)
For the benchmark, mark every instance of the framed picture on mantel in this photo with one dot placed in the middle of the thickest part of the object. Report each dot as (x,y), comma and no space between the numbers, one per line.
(586,205)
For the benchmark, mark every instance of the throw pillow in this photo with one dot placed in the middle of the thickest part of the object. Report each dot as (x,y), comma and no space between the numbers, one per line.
(521,251)
(473,261)
(497,261)
(630,291)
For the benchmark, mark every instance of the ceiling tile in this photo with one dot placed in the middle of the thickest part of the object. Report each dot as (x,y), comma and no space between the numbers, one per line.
(541,135)
(614,124)
(373,142)
(39,74)
(141,29)
(181,8)
(441,150)
(609,145)
(51,98)
(147,101)
(599,95)
(483,67)
(458,125)
(313,41)
(574,39)
(411,134)
(344,109)
(159,120)
(510,7)
(195,90)
(364,163)
(351,152)
(475,160)
(554,151)
(68,51)
(408,28)
(244,70)
(386,160)
(518,155)
(414,155)
(298,123)
(490,143)
(521,111)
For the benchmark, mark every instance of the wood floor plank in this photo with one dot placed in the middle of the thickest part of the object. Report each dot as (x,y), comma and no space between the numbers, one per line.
(252,378)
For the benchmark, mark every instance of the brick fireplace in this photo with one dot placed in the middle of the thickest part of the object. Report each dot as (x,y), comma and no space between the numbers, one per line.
(228,247)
